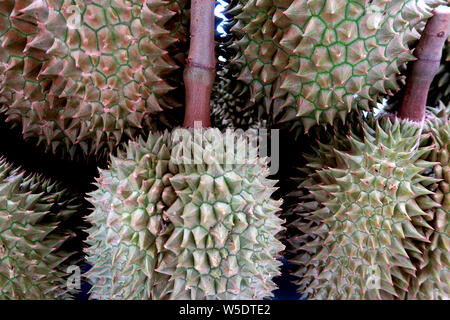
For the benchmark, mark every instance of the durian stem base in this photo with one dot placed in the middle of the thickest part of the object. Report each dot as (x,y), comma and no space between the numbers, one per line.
(428,53)
(198,82)
(200,71)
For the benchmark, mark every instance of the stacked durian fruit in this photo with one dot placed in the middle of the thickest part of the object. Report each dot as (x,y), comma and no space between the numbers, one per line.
(174,216)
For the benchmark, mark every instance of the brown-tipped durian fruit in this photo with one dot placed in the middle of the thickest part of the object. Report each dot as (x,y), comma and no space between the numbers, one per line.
(173,220)
(361,220)
(33,261)
(307,60)
(87,74)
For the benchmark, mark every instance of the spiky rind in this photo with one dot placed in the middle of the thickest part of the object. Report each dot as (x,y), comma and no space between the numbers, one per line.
(311,58)
(433,272)
(167,228)
(229,103)
(32,262)
(85,75)
(360,214)
(129,226)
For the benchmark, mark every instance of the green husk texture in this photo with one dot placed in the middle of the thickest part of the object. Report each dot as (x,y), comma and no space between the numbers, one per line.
(87,85)
(361,213)
(229,103)
(433,275)
(164,229)
(307,60)
(33,261)
(230,97)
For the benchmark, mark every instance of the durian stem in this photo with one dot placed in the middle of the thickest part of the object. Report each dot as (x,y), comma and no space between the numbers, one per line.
(200,70)
(428,53)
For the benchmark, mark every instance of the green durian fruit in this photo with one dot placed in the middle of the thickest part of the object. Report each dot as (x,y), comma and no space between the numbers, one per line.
(433,273)
(33,260)
(166,229)
(307,60)
(128,228)
(231,106)
(229,103)
(360,216)
(86,75)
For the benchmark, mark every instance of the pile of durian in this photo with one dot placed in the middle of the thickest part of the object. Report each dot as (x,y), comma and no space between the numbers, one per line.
(193,213)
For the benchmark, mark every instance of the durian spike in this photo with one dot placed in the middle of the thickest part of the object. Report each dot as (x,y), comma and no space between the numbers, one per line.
(423,70)
(200,70)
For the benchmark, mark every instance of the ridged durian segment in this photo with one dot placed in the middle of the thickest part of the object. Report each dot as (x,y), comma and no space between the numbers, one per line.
(166,229)
(230,97)
(129,224)
(32,260)
(359,215)
(259,27)
(224,219)
(311,58)
(440,88)
(229,103)
(433,273)
(84,74)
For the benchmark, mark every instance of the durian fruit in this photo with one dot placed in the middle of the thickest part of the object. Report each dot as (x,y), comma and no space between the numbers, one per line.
(440,88)
(128,233)
(307,60)
(230,97)
(229,103)
(433,273)
(360,214)
(258,27)
(33,260)
(174,220)
(85,75)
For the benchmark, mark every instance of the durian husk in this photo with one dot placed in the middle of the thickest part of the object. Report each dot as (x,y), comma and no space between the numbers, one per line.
(231,106)
(433,266)
(361,226)
(229,103)
(166,228)
(309,62)
(33,234)
(82,88)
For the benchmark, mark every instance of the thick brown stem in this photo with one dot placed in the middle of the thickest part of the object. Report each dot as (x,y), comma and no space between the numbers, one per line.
(200,70)
(423,70)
